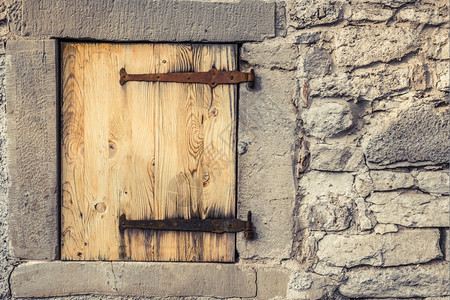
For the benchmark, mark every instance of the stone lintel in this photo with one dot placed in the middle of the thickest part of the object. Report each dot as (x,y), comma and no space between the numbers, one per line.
(136,20)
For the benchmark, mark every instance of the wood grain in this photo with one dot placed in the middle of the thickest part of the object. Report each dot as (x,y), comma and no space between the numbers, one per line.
(146,150)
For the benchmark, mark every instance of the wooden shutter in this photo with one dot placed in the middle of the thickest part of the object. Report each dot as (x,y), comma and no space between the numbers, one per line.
(146,150)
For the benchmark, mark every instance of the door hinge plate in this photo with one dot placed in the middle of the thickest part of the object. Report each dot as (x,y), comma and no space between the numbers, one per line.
(204,225)
(213,77)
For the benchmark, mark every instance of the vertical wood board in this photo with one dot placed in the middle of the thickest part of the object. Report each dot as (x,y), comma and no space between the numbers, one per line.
(146,150)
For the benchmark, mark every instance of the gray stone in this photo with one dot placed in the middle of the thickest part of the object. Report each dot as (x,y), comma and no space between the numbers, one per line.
(364,13)
(316,61)
(389,3)
(385,228)
(359,46)
(363,221)
(46,279)
(364,85)
(308,38)
(32,143)
(443,78)
(433,14)
(434,182)
(267,125)
(5,266)
(392,249)
(272,282)
(410,208)
(129,20)
(307,286)
(336,158)
(320,184)
(429,280)
(274,53)
(330,213)
(363,184)
(418,134)
(391,180)
(314,12)
(327,119)
(438,47)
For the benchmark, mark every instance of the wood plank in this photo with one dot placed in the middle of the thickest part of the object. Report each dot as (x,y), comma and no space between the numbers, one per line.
(146,150)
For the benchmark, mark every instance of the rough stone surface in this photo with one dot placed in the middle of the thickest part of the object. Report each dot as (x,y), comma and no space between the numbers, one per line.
(429,280)
(336,158)
(432,13)
(364,85)
(434,182)
(393,249)
(385,228)
(358,46)
(327,119)
(152,20)
(389,180)
(5,266)
(267,124)
(314,12)
(33,204)
(410,208)
(272,283)
(331,213)
(428,143)
(45,279)
(275,53)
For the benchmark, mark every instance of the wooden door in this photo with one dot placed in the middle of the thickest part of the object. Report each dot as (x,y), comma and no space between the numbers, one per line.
(146,150)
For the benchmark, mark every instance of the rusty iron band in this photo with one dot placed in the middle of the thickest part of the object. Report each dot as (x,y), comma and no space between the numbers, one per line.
(203,225)
(213,77)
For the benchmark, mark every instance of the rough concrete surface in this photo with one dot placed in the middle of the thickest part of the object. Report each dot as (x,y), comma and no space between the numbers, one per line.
(342,149)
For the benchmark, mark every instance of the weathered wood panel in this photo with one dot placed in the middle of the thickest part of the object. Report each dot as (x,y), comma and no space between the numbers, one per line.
(146,150)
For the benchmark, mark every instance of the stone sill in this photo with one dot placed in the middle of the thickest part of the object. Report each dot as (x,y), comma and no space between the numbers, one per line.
(64,278)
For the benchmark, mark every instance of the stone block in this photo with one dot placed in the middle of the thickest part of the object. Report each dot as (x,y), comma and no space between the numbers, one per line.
(336,158)
(331,213)
(314,12)
(385,228)
(416,135)
(360,46)
(32,143)
(364,13)
(47,279)
(369,85)
(437,182)
(389,3)
(391,180)
(272,282)
(134,20)
(319,184)
(267,133)
(432,14)
(327,119)
(316,61)
(279,53)
(392,249)
(429,280)
(410,208)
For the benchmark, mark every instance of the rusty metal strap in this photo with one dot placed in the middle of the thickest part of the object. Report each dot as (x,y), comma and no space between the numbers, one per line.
(204,225)
(213,77)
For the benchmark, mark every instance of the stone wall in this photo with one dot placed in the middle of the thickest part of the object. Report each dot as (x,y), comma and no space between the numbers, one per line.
(343,159)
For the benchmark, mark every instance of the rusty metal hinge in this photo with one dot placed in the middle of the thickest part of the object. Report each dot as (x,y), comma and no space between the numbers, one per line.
(204,225)
(213,77)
